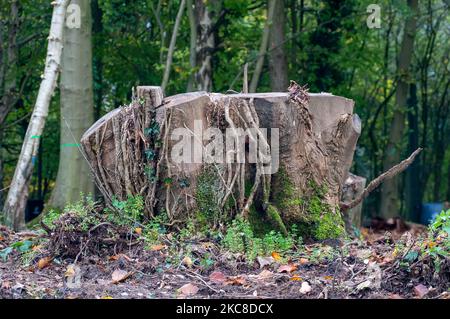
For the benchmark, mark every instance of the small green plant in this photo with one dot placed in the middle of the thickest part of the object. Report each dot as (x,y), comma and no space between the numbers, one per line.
(437,242)
(240,238)
(132,210)
(51,217)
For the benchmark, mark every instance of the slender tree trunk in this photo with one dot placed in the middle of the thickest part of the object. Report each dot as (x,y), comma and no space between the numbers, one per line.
(278,63)
(413,193)
(10,66)
(205,45)
(97,31)
(192,45)
(8,78)
(389,192)
(173,42)
(18,192)
(262,48)
(77,110)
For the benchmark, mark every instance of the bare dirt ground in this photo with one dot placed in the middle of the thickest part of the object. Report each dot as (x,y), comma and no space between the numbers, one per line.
(370,267)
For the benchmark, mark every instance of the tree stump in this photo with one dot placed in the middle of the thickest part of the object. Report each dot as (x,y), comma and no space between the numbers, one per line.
(304,145)
(353,187)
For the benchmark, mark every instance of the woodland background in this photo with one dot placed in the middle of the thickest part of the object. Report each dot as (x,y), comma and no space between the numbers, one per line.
(325,44)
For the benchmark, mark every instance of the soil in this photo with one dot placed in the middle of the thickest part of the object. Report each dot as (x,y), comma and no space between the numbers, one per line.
(363,268)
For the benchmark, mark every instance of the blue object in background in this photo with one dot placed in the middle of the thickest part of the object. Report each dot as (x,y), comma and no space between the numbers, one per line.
(430,211)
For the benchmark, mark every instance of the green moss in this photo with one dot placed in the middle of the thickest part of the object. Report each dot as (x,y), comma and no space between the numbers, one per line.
(313,215)
(207,197)
(258,221)
(274,216)
(284,193)
(325,221)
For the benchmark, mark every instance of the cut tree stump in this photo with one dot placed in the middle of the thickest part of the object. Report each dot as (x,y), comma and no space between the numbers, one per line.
(130,151)
(353,187)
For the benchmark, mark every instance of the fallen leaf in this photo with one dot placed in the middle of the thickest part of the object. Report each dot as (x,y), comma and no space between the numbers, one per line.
(119,275)
(187,261)
(188,290)
(303,261)
(36,248)
(305,288)
(296,278)
(217,277)
(265,261)
(70,271)
(276,256)
(118,256)
(44,262)
(207,245)
(107,297)
(421,291)
(157,247)
(328,278)
(138,230)
(235,281)
(287,268)
(2,238)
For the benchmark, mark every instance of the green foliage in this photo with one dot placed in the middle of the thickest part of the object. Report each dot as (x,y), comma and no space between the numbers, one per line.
(442,223)
(437,243)
(240,238)
(20,246)
(132,209)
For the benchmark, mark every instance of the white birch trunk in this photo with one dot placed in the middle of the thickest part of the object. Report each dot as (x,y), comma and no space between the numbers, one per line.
(18,193)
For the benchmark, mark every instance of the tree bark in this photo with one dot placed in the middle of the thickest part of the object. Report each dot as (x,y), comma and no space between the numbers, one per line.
(353,187)
(263,48)
(205,45)
(192,45)
(173,42)
(390,190)
(278,62)
(413,193)
(14,208)
(77,110)
(10,65)
(8,77)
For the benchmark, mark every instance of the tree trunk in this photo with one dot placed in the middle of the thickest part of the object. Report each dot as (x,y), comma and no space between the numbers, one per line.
(262,48)
(8,78)
(173,42)
(77,110)
(278,62)
(413,193)
(205,45)
(353,187)
(18,193)
(390,191)
(192,45)
(97,32)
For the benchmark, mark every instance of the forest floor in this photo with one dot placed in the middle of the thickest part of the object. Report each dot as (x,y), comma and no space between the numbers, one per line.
(380,264)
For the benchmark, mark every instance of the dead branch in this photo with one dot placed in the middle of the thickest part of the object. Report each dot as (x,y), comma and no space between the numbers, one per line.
(393,171)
